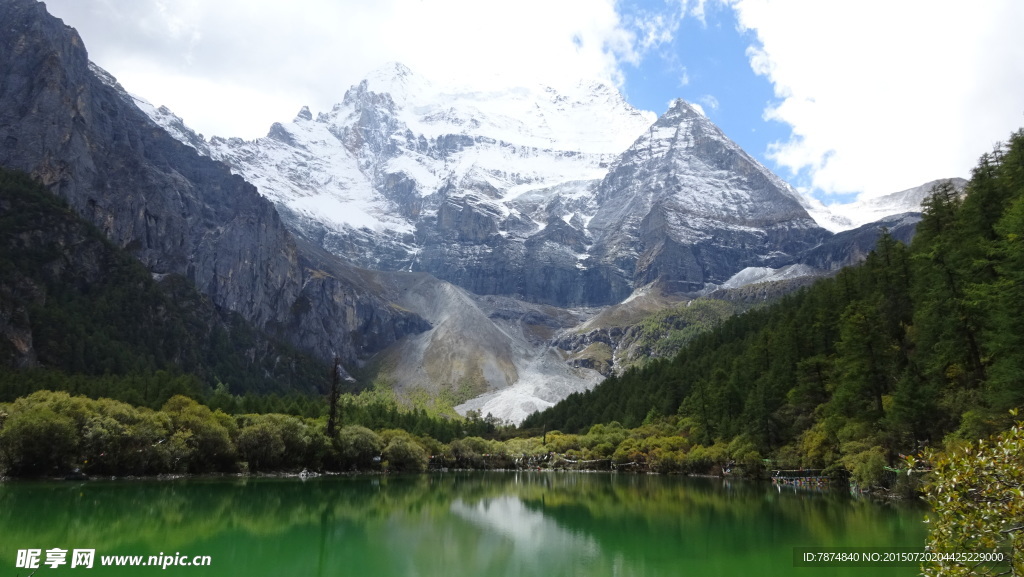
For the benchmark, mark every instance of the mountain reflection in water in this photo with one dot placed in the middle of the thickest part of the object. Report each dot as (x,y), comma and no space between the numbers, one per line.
(451,524)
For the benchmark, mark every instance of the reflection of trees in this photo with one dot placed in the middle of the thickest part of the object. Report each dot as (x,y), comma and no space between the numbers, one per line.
(352,525)
(168,514)
(702,509)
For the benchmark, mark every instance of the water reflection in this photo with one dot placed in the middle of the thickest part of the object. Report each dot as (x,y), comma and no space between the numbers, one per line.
(451,524)
(534,543)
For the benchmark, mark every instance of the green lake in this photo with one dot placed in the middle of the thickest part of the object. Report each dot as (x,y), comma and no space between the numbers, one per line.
(451,524)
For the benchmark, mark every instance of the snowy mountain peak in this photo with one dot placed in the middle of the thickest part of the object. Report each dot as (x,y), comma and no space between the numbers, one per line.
(390,72)
(590,117)
(402,164)
(566,197)
(398,81)
(698,206)
(686,158)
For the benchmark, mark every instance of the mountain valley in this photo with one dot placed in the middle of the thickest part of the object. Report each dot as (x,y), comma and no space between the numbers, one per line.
(495,248)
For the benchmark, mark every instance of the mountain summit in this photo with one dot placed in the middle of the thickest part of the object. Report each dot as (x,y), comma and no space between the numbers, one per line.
(687,206)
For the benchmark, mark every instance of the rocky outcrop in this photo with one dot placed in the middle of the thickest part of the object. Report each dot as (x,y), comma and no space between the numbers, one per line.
(176,211)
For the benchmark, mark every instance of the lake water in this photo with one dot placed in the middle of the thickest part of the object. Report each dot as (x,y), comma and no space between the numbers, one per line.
(453,524)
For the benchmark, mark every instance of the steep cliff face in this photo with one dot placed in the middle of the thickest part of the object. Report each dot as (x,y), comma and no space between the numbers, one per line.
(73,302)
(62,120)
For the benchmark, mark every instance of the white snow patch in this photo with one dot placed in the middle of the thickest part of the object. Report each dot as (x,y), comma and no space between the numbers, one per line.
(865,210)
(757,275)
(542,382)
(639,292)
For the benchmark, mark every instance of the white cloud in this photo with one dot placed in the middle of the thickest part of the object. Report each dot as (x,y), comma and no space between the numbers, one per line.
(684,77)
(656,29)
(233,67)
(693,8)
(709,101)
(882,95)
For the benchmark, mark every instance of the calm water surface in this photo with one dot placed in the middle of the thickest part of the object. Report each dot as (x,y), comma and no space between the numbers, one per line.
(480,524)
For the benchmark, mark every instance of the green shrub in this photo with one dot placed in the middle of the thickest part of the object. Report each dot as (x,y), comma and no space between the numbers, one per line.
(37,441)
(204,443)
(260,445)
(357,447)
(405,455)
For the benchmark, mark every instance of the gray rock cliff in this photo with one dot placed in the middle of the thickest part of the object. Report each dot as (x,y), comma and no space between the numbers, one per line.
(176,211)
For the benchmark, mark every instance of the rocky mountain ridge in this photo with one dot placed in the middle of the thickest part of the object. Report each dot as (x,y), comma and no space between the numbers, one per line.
(684,205)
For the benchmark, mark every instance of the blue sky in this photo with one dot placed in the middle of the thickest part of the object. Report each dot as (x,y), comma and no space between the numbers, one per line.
(706,63)
(842,97)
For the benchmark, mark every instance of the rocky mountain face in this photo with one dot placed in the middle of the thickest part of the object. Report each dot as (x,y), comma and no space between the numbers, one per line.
(71,301)
(178,212)
(563,199)
(852,246)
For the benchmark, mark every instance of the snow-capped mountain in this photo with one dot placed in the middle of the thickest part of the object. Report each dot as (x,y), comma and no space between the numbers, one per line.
(686,206)
(841,217)
(532,201)
(542,199)
(561,198)
(405,175)
(534,196)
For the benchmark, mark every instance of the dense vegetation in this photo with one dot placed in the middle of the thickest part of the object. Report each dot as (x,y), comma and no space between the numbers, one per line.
(52,433)
(73,303)
(918,345)
(977,496)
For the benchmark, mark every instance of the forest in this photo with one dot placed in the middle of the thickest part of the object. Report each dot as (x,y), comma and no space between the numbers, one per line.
(919,346)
